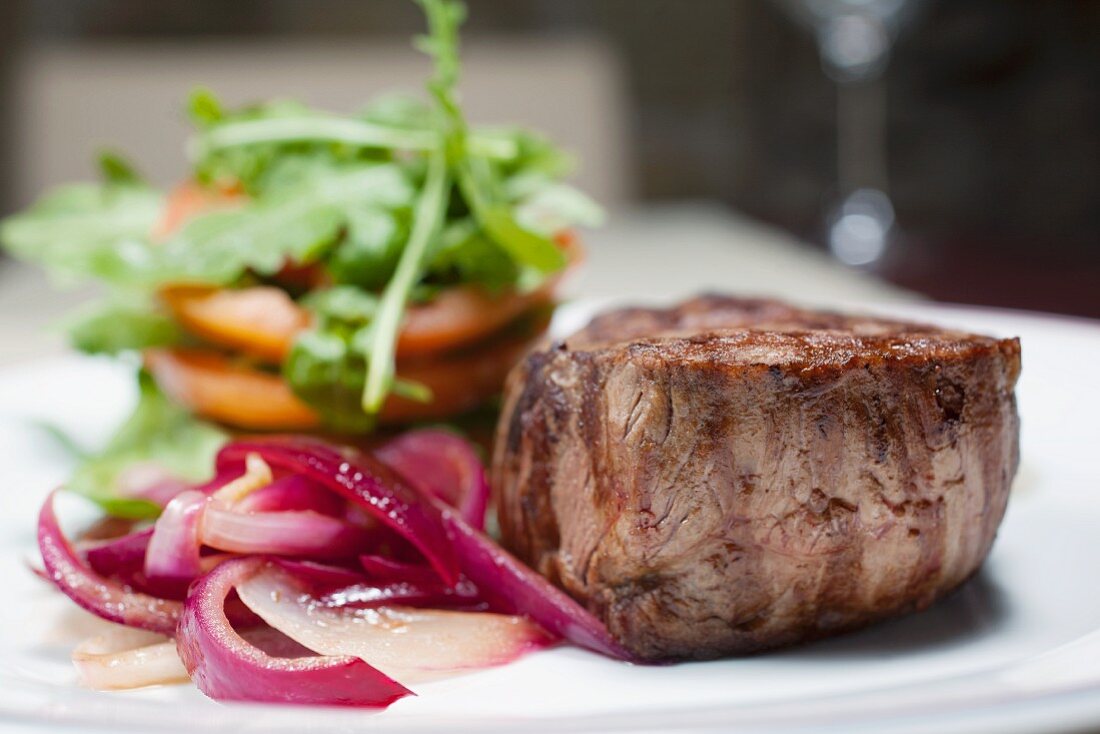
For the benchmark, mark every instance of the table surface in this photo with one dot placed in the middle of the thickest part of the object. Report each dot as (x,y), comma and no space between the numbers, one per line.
(665,252)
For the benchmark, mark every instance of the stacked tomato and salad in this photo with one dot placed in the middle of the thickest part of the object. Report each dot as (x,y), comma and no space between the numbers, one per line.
(315,274)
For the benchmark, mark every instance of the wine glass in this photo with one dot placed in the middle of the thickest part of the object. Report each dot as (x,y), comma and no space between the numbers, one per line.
(855,39)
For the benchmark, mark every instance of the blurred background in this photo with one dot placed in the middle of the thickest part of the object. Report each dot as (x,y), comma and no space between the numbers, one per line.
(949,148)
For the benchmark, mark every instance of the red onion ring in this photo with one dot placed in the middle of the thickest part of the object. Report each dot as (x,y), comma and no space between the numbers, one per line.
(462,595)
(172,555)
(441,464)
(381,568)
(289,533)
(320,575)
(361,479)
(511,587)
(104,598)
(120,554)
(227,668)
(292,492)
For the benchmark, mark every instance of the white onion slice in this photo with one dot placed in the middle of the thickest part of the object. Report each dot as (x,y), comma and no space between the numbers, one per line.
(290,532)
(128,658)
(409,645)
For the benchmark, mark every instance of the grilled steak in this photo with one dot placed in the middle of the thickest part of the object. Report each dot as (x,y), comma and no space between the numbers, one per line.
(731,475)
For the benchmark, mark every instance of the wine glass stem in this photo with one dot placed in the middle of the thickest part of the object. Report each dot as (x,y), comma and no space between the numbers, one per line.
(861,135)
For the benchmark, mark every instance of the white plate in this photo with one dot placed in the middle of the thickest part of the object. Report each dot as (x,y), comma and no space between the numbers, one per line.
(1017,649)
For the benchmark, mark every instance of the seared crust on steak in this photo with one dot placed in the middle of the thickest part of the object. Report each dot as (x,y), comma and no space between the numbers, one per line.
(731,475)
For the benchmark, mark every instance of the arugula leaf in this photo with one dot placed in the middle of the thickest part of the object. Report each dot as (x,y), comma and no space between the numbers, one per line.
(327,366)
(427,222)
(534,154)
(157,431)
(411,390)
(86,230)
(115,169)
(309,128)
(204,108)
(326,369)
(466,255)
(371,247)
(299,223)
(400,110)
(498,220)
(474,174)
(113,327)
(63,439)
(342,304)
(548,207)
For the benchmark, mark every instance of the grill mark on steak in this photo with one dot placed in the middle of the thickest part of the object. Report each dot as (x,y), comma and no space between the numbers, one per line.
(731,475)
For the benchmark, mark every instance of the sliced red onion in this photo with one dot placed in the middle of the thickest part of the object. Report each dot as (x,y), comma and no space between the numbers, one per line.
(226,667)
(439,463)
(407,644)
(361,479)
(444,537)
(102,597)
(292,492)
(272,641)
(381,568)
(124,658)
(121,554)
(364,595)
(512,588)
(291,533)
(320,575)
(173,552)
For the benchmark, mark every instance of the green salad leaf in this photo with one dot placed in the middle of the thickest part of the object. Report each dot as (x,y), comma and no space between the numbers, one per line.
(477,179)
(382,338)
(327,369)
(114,168)
(299,221)
(467,255)
(159,432)
(372,245)
(88,230)
(327,364)
(115,326)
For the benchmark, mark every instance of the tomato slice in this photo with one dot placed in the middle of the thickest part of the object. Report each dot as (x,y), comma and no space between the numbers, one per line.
(261,322)
(459,316)
(214,387)
(465,315)
(459,381)
(210,385)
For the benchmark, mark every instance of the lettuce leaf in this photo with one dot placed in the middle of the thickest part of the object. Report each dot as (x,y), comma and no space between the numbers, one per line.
(88,230)
(300,220)
(467,255)
(327,369)
(115,326)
